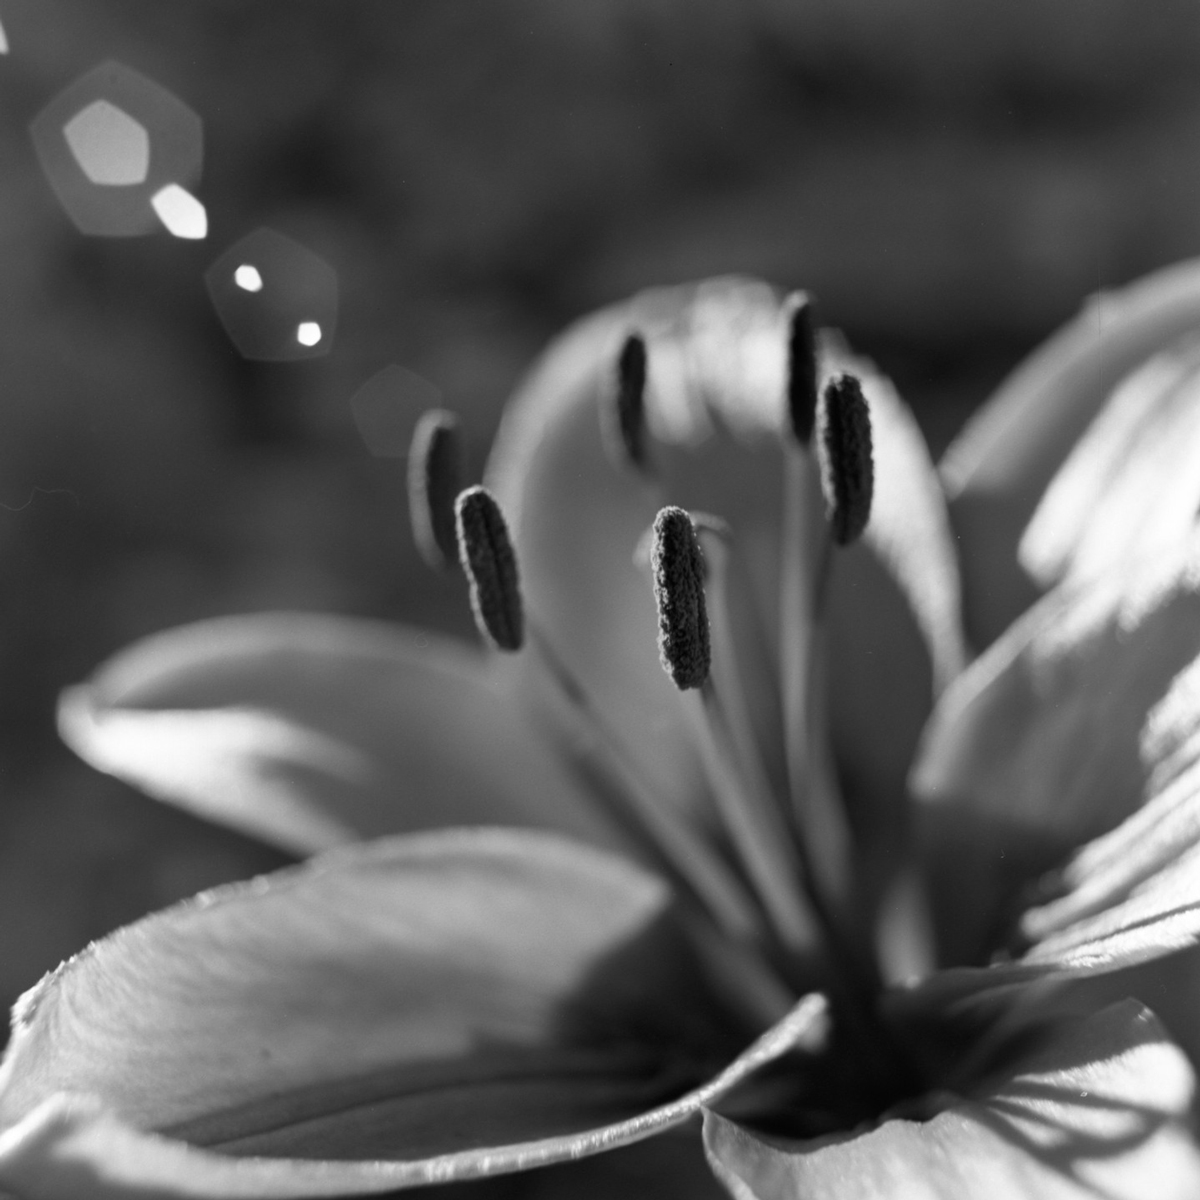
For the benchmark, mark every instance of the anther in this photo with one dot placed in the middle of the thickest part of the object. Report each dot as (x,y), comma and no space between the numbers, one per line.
(434,480)
(678,566)
(486,553)
(625,420)
(802,369)
(847,468)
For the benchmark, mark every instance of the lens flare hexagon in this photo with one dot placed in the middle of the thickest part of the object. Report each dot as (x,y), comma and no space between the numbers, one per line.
(385,407)
(111,148)
(111,142)
(276,299)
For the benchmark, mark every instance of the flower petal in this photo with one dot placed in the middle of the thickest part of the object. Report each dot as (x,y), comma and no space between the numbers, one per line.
(715,405)
(1134,893)
(1038,745)
(996,472)
(74,1149)
(427,1008)
(885,671)
(909,528)
(308,731)
(1045,729)
(1158,916)
(1128,488)
(1167,826)
(362,972)
(373,974)
(1099,1110)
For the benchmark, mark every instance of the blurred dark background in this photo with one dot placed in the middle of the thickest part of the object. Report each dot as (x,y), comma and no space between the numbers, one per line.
(950,177)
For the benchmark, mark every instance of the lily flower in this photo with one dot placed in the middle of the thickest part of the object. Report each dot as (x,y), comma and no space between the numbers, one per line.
(564,901)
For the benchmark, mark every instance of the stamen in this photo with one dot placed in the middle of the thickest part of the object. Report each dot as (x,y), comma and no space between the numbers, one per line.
(802,368)
(816,796)
(487,557)
(594,751)
(678,566)
(625,416)
(434,481)
(847,469)
(817,809)
(720,721)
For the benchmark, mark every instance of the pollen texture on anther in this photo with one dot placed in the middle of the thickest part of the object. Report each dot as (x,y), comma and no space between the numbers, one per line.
(847,465)
(677,563)
(487,557)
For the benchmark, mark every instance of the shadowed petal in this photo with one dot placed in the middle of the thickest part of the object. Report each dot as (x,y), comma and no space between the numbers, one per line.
(996,472)
(1039,745)
(424,1009)
(368,976)
(1134,894)
(909,528)
(308,731)
(1098,1110)
(715,392)
(1168,826)
(71,1146)
(1122,916)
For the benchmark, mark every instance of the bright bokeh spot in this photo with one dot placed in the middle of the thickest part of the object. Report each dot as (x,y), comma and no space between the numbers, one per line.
(111,148)
(277,299)
(180,212)
(386,408)
(248,278)
(3,41)
(111,144)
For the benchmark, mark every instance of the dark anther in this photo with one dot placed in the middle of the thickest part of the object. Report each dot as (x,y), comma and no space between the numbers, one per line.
(486,553)
(802,370)
(626,421)
(847,468)
(435,470)
(678,566)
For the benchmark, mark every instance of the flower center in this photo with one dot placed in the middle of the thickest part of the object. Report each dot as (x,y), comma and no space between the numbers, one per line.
(770,895)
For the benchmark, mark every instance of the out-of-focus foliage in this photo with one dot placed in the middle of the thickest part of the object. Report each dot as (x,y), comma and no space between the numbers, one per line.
(948,176)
